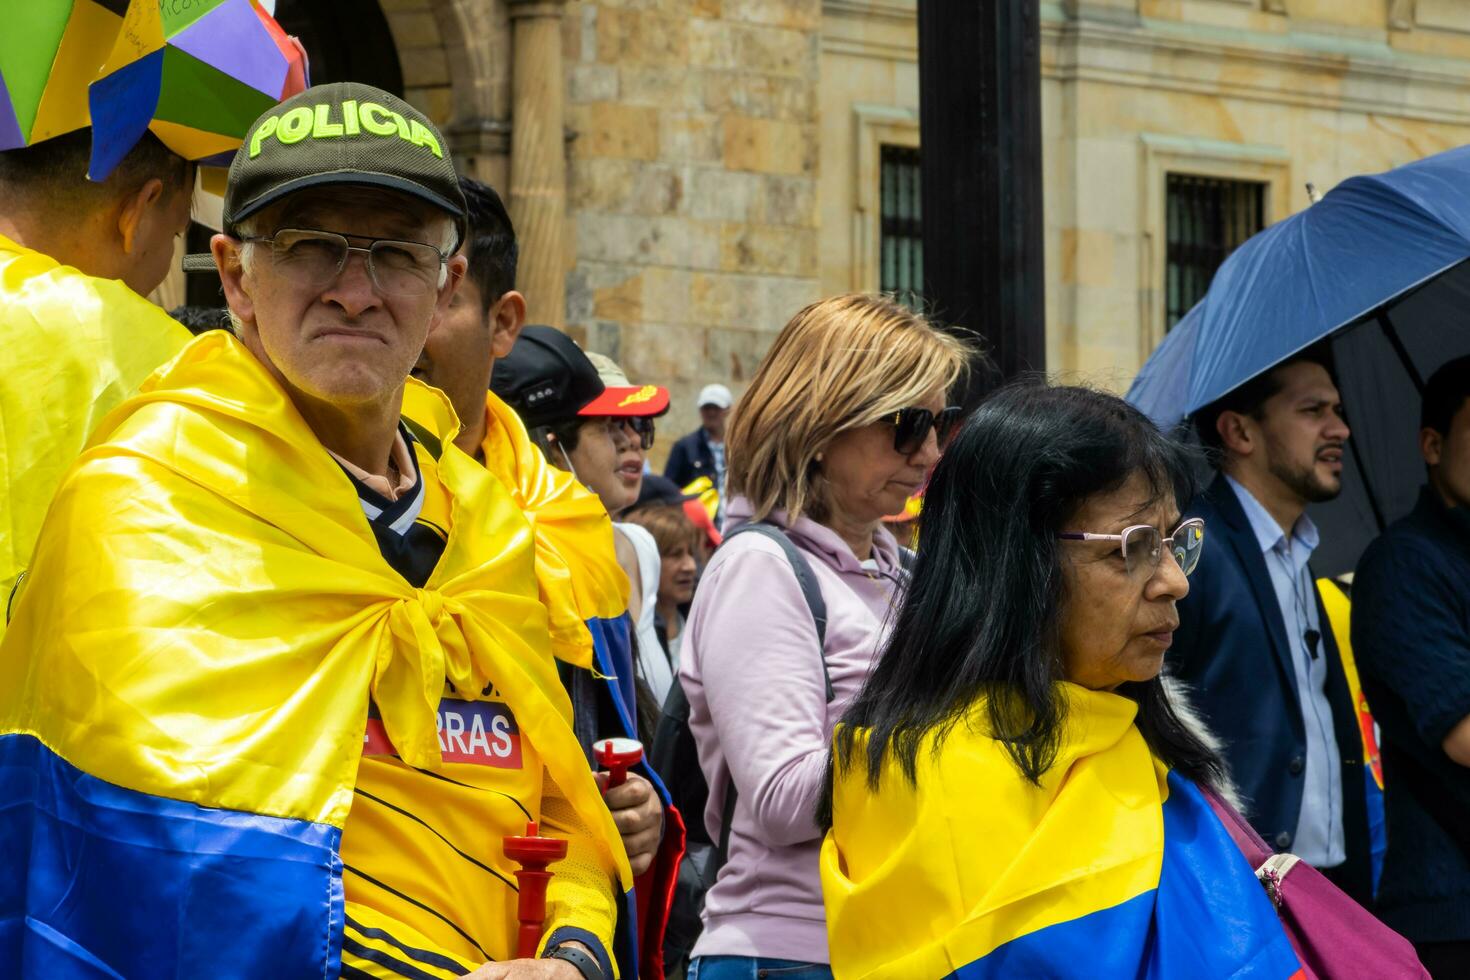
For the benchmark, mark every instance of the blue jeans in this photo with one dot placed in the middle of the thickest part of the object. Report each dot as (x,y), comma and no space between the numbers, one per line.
(754,968)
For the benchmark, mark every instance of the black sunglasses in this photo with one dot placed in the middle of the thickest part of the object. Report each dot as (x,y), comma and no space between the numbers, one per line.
(911,427)
(640,425)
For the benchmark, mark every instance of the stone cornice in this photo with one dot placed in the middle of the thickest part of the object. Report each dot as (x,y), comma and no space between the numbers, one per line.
(1304,70)
(885,9)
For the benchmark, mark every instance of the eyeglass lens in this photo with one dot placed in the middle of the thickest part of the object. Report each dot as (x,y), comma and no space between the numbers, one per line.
(317,258)
(1143,548)
(913,424)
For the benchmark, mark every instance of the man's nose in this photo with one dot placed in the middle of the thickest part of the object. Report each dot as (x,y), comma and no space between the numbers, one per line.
(354,289)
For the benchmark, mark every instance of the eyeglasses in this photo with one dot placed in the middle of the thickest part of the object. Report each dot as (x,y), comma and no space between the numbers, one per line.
(1143,545)
(911,427)
(640,426)
(316,258)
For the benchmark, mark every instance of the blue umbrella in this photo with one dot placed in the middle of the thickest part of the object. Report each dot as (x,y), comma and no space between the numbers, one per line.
(1378,266)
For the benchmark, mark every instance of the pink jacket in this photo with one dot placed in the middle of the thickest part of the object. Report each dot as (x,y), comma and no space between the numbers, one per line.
(758,709)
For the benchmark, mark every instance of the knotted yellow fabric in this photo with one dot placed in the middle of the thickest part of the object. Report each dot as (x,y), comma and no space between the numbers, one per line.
(74,347)
(208,612)
(576,566)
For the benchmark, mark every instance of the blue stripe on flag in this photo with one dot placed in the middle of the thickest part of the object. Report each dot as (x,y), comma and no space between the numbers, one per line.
(97,880)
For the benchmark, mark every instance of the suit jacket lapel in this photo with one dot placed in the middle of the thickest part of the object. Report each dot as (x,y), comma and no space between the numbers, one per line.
(1242,538)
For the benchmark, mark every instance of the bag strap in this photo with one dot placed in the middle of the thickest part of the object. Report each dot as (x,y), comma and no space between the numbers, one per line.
(812,593)
(805,578)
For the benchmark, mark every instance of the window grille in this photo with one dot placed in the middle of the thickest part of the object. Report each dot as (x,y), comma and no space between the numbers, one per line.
(901,227)
(1207,218)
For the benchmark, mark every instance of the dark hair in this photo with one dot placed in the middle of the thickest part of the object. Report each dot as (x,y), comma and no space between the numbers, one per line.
(53,173)
(566,434)
(1445,394)
(200,319)
(490,244)
(980,615)
(1252,396)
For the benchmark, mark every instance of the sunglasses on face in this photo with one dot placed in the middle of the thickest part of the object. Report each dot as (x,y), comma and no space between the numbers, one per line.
(911,427)
(640,427)
(1143,545)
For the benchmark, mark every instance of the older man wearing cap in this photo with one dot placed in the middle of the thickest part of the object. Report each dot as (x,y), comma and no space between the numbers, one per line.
(702,452)
(280,685)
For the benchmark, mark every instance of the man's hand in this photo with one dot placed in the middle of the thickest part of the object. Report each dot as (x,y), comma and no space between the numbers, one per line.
(526,970)
(531,969)
(639,816)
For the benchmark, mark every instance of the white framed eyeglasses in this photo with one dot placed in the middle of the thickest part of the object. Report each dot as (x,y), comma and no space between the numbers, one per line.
(1143,545)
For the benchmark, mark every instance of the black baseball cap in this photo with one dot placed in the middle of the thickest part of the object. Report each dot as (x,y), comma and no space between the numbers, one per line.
(345,133)
(546,378)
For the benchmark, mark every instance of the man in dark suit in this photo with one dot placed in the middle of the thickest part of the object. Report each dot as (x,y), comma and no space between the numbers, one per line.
(1254,642)
(702,452)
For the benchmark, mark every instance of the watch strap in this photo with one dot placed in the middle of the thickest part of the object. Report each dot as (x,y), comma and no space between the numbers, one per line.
(585,964)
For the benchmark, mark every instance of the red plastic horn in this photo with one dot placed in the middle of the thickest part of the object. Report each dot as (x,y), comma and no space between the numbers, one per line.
(617,756)
(533,853)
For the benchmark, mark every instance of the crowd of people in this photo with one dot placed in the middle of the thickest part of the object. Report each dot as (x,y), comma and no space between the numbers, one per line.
(324,618)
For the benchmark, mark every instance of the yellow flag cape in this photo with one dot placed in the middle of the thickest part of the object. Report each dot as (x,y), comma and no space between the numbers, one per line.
(208,612)
(74,347)
(1111,867)
(576,565)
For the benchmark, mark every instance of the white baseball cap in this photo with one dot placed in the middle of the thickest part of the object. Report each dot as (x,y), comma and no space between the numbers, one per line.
(717,395)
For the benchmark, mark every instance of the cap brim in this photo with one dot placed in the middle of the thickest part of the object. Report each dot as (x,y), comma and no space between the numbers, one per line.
(354,178)
(629,402)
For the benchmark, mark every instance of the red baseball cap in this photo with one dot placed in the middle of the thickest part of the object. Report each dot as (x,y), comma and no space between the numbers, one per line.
(620,397)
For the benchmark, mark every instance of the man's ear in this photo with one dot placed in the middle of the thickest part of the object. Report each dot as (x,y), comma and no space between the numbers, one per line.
(1237,433)
(136,210)
(507,317)
(454,268)
(227,260)
(1431,445)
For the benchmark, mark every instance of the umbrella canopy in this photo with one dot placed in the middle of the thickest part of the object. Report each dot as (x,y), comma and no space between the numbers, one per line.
(1378,265)
(197,74)
(50,51)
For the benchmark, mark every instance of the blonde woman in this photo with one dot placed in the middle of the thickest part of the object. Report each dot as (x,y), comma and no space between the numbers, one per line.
(841,424)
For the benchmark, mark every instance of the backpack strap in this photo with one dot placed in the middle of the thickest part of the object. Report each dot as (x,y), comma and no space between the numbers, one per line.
(805,578)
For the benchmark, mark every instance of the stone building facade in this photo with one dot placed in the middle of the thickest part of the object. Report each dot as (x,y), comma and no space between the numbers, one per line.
(686,174)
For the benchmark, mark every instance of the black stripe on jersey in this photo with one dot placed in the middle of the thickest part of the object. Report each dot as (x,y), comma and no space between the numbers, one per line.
(353,973)
(422,955)
(447,843)
(481,789)
(350,945)
(420,905)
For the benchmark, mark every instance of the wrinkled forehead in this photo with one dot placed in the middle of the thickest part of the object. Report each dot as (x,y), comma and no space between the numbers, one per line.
(1141,499)
(366,211)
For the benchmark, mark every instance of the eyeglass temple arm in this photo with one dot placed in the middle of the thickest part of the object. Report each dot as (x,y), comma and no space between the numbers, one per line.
(1086,536)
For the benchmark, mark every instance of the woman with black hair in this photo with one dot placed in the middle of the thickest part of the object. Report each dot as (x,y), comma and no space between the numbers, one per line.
(1013,792)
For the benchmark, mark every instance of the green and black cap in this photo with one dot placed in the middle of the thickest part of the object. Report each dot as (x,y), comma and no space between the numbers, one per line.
(331,135)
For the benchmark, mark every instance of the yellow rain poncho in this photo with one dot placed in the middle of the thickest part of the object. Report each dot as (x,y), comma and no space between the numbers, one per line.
(75,346)
(186,683)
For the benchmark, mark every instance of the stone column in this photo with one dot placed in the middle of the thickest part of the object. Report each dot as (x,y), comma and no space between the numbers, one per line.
(538,166)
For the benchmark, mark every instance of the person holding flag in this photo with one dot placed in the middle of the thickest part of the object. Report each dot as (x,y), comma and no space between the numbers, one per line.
(1014,793)
(280,685)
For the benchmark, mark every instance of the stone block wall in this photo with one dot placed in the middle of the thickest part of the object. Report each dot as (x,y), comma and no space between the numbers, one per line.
(692,185)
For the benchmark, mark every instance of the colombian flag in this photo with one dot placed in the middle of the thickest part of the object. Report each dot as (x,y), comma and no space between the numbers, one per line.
(585,593)
(1112,867)
(185,685)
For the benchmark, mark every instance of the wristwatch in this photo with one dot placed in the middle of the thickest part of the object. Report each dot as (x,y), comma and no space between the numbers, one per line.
(585,964)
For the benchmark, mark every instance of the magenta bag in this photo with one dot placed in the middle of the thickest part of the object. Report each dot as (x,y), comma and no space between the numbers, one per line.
(1333,935)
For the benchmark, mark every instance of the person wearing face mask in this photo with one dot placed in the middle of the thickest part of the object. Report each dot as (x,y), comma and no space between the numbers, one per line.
(840,424)
(1254,642)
